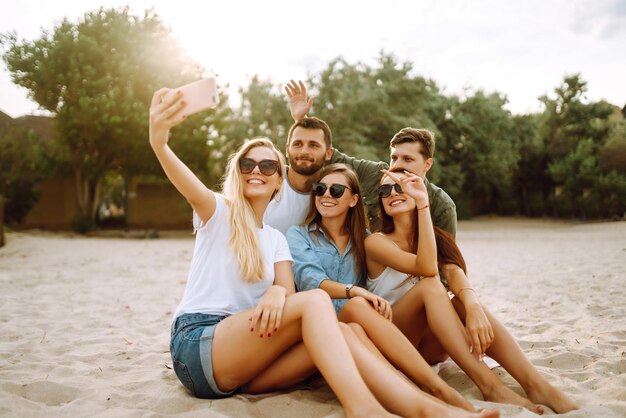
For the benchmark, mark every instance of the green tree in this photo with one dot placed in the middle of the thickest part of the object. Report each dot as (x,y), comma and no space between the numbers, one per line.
(480,141)
(365,106)
(613,151)
(97,77)
(610,194)
(532,185)
(23,164)
(574,133)
(575,175)
(263,111)
(346,100)
(568,119)
(611,185)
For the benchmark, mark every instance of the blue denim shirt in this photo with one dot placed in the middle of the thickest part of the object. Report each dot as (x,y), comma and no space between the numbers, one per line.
(316,258)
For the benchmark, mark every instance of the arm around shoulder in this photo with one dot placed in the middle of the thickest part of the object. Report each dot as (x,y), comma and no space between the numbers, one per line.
(360,166)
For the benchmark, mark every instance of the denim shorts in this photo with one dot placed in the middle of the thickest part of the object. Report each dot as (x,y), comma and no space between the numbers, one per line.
(191,351)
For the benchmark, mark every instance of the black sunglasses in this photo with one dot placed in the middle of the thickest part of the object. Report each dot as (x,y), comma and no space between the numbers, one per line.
(336,190)
(384,190)
(266,167)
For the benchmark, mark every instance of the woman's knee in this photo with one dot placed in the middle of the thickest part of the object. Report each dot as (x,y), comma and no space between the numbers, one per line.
(316,298)
(354,308)
(432,286)
(352,330)
(356,328)
(357,302)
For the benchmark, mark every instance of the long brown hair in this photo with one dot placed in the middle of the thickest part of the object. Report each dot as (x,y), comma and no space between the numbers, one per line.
(447,250)
(356,222)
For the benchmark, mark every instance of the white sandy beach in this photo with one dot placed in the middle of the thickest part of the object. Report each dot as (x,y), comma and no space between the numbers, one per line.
(84,321)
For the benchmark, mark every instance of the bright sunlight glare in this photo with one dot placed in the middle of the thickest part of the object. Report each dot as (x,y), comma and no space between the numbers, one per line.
(520,49)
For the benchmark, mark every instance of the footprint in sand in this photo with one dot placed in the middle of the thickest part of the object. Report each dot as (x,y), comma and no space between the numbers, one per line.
(49,393)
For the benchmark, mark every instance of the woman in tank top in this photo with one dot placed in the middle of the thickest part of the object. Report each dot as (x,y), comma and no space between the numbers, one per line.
(403,261)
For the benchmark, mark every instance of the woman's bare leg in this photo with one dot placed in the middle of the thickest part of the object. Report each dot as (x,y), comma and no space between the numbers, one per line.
(430,297)
(292,367)
(505,350)
(295,365)
(396,393)
(431,349)
(399,350)
(240,355)
(390,387)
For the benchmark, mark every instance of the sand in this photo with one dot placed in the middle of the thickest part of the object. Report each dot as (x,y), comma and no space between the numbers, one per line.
(84,321)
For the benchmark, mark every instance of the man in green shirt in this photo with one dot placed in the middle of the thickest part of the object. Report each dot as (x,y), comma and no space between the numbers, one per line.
(411,149)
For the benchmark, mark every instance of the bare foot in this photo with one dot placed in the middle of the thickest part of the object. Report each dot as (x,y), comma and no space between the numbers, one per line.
(552,397)
(502,394)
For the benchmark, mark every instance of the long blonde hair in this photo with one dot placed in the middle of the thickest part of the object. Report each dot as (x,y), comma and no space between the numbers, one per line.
(243,235)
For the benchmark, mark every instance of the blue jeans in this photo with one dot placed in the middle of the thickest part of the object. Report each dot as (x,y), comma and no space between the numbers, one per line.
(191,350)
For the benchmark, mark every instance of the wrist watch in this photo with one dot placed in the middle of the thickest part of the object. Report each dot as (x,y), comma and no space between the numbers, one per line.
(348,287)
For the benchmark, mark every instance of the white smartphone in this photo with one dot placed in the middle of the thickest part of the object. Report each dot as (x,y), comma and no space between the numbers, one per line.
(198,95)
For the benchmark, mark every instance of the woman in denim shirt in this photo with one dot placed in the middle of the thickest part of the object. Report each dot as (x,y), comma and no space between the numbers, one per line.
(328,253)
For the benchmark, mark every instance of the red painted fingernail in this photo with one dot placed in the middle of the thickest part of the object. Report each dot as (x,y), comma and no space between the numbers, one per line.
(275,329)
(261,335)
(251,329)
(269,334)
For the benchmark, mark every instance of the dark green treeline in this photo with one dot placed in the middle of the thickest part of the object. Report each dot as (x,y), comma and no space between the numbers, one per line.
(97,76)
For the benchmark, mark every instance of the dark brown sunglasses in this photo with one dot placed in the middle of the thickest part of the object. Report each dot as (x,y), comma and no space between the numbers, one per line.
(266,167)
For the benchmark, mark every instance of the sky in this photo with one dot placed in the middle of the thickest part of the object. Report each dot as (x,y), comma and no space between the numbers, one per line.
(522,49)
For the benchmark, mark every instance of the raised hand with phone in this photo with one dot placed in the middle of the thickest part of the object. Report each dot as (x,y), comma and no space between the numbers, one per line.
(168,109)
(197,96)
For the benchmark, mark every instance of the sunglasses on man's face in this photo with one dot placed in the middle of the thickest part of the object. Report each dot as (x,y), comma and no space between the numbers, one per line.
(384,190)
(266,167)
(336,190)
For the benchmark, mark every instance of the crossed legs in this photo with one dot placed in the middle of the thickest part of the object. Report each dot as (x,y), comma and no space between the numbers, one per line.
(310,338)
(240,355)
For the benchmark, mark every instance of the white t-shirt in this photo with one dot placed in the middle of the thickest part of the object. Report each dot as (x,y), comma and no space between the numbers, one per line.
(287,209)
(214,285)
